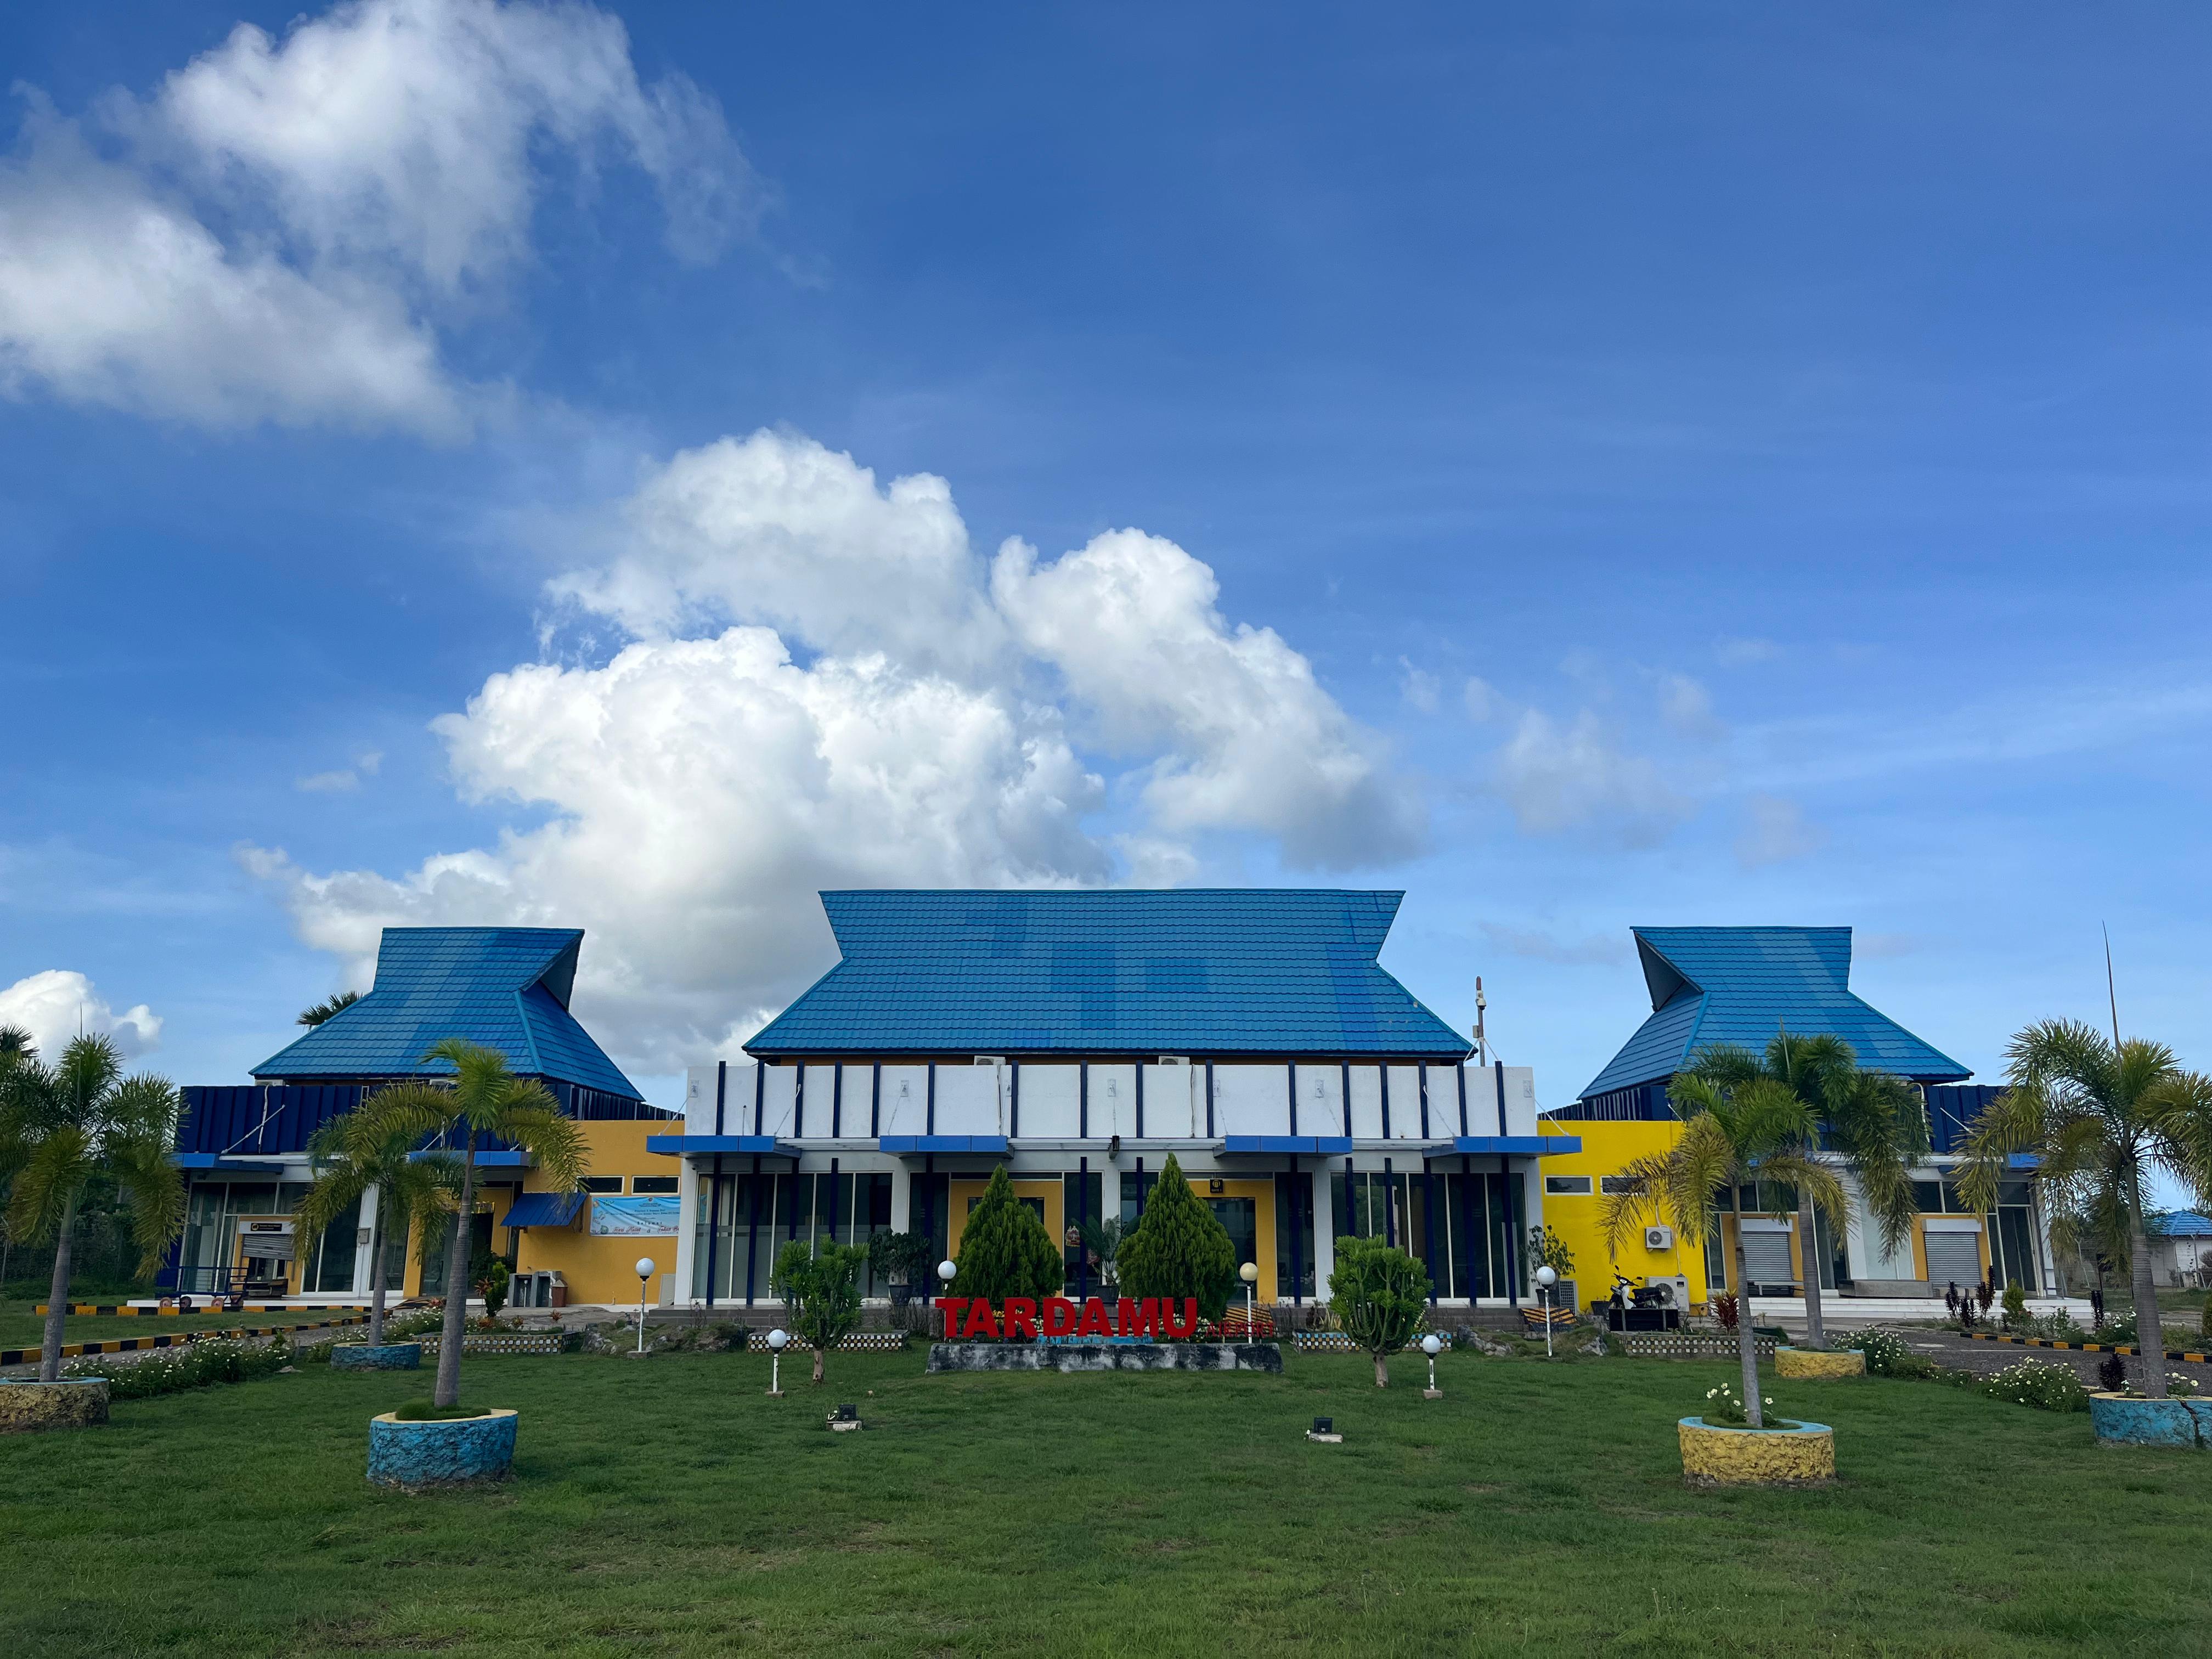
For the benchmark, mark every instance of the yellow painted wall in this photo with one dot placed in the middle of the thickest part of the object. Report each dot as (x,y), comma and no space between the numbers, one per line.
(1607,1148)
(599,1269)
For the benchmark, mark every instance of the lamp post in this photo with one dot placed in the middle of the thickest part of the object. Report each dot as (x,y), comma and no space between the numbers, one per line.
(776,1339)
(1432,1344)
(644,1272)
(947,1271)
(1250,1272)
(1545,1280)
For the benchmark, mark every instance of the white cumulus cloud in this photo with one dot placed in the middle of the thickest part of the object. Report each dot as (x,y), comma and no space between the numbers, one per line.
(278,231)
(1563,776)
(55,1005)
(684,800)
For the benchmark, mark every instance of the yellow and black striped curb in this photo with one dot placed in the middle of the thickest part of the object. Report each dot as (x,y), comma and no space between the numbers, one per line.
(167,1340)
(85,1310)
(2082,1348)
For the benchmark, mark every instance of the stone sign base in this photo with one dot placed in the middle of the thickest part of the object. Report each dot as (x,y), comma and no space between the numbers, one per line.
(1105,1356)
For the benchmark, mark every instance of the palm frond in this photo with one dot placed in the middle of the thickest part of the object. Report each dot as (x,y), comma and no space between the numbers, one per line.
(156,1190)
(90,1067)
(50,1179)
(1724,1065)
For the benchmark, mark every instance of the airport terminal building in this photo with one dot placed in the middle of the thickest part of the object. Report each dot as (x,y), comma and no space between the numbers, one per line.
(1080,1039)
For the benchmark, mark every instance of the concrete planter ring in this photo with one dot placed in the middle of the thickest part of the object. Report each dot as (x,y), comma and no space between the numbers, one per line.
(1714,1454)
(458,1451)
(384,1357)
(1796,1364)
(27,1406)
(2125,1421)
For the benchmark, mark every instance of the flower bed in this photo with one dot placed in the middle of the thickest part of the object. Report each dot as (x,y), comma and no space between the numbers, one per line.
(1725,1454)
(166,1370)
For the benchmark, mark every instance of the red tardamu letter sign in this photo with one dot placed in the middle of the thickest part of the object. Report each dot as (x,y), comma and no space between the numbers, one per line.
(1018,1316)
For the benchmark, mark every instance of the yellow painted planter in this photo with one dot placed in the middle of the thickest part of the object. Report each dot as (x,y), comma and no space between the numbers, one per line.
(1797,1362)
(1717,1456)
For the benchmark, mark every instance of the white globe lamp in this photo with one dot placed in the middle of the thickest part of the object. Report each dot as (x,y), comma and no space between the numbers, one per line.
(644,1265)
(1545,1280)
(777,1341)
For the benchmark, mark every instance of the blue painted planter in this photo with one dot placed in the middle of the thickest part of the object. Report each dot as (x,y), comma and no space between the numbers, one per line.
(418,1456)
(2122,1421)
(385,1356)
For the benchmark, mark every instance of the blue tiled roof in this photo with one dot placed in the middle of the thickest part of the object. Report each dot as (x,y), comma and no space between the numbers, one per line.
(1196,971)
(1740,985)
(2181,1224)
(504,988)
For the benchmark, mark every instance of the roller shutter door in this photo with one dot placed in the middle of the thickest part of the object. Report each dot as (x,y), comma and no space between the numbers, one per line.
(1954,1258)
(1766,1258)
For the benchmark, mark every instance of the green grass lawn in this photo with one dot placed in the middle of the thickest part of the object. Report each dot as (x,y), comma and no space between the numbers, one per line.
(22,1329)
(666,1507)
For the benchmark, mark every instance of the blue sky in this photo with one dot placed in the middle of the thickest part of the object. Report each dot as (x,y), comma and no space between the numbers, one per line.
(1596,466)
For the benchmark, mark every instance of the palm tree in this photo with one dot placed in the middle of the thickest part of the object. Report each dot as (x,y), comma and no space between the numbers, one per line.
(16,1045)
(484,1098)
(328,1006)
(60,1126)
(1733,1136)
(350,1155)
(1870,1122)
(2096,1115)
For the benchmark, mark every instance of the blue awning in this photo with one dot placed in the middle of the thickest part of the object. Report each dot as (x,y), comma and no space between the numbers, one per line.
(990,1145)
(1232,1146)
(220,1165)
(545,1210)
(1512,1146)
(698,1145)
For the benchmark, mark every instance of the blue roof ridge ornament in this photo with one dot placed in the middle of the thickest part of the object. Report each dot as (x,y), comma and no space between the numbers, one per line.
(1218,972)
(506,989)
(1739,984)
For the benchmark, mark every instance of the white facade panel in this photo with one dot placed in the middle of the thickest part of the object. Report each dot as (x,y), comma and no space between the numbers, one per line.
(1113,1101)
(968,1101)
(1321,1100)
(1405,1103)
(1366,1102)
(1169,1095)
(1250,1100)
(904,1108)
(778,1095)
(820,1092)
(1520,1100)
(1049,1103)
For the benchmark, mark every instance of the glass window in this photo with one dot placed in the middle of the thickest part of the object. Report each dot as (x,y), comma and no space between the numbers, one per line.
(603,1184)
(1615,1186)
(652,1183)
(1928,1197)
(1568,1186)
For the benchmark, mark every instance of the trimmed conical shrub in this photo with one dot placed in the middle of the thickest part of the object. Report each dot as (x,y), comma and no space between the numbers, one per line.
(1178,1248)
(1005,1249)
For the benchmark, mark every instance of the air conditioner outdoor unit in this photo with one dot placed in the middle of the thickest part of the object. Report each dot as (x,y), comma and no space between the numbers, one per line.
(1658,1238)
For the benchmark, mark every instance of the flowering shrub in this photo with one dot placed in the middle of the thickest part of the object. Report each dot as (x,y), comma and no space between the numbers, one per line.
(2179,1387)
(1888,1355)
(1725,1408)
(2055,1328)
(2032,1382)
(414,1322)
(166,1371)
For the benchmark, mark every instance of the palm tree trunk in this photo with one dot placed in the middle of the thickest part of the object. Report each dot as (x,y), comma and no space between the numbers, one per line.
(50,1352)
(1809,1252)
(376,1275)
(818,1365)
(448,1391)
(1746,1345)
(2150,1334)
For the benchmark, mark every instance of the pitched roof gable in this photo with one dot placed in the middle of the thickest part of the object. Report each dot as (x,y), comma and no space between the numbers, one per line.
(1741,985)
(1197,970)
(504,988)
